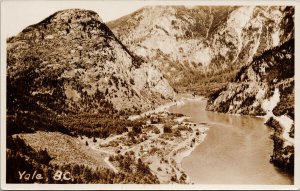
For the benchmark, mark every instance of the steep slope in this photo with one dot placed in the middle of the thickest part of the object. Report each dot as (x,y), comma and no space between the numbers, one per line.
(266,88)
(193,44)
(71,62)
(269,75)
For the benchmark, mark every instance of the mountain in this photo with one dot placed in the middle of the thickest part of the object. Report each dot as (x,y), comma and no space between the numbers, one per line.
(195,46)
(71,62)
(257,87)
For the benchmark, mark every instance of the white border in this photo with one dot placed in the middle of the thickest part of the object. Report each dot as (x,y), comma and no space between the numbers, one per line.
(296,185)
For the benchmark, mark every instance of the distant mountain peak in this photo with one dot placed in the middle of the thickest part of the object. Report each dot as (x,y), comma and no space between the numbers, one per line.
(68,22)
(73,14)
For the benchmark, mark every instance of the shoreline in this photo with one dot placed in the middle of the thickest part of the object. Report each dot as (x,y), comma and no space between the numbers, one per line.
(172,148)
(181,100)
(181,155)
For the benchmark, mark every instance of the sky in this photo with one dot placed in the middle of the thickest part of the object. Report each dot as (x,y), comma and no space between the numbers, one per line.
(17,15)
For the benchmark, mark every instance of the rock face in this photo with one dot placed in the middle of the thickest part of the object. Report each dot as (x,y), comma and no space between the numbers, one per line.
(259,87)
(192,43)
(71,62)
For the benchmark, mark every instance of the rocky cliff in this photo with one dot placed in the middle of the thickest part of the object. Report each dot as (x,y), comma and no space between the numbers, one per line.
(193,44)
(71,62)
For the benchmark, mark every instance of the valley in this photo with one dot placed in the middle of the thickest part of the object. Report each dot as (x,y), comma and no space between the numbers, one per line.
(169,142)
(131,100)
(159,141)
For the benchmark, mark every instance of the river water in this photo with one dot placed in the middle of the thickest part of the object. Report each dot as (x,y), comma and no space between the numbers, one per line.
(236,149)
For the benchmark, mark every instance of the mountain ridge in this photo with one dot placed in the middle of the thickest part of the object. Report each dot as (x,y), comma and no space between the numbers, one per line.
(197,44)
(84,62)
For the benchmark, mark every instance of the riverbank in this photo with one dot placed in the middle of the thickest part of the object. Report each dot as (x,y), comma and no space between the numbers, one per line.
(236,149)
(162,144)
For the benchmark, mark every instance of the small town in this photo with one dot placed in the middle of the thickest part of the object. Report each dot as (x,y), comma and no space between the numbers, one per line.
(161,144)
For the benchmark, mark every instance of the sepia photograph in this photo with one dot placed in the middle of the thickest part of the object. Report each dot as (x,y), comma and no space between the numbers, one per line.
(177,94)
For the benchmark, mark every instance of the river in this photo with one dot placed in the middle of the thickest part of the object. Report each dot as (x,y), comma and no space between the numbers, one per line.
(236,149)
